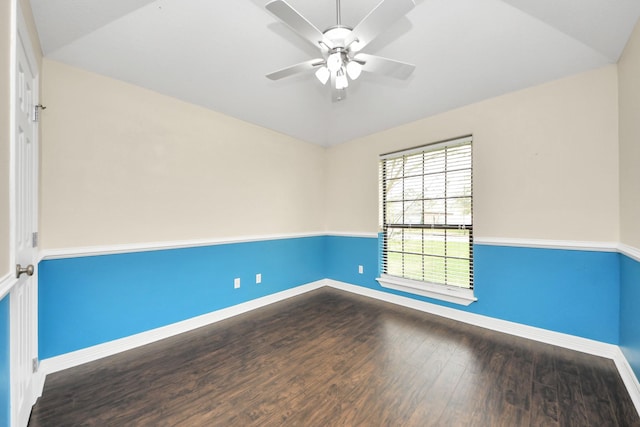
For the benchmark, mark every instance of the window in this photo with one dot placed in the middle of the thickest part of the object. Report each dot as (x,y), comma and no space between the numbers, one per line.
(427,221)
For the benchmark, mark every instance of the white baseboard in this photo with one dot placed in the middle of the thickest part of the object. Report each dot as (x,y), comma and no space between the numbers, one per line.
(596,348)
(89,354)
(542,335)
(610,351)
(628,377)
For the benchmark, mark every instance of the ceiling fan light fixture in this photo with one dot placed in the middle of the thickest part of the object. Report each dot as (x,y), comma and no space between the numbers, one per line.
(340,45)
(323,74)
(354,69)
(342,82)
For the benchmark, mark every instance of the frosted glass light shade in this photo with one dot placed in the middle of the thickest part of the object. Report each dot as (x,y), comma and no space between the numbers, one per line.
(323,74)
(354,69)
(341,80)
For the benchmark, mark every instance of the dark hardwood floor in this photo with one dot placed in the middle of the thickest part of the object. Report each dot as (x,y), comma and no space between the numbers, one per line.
(329,358)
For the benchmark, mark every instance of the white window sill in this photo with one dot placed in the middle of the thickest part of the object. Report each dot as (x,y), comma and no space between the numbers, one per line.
(445,293)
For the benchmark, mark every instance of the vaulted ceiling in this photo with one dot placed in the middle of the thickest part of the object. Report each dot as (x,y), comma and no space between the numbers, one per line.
(216,53)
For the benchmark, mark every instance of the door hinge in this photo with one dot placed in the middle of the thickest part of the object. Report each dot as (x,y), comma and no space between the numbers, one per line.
(34,365)
(34,239)
(36,112)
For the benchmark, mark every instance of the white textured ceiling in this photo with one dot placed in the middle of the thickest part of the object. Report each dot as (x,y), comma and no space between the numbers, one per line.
(216,53)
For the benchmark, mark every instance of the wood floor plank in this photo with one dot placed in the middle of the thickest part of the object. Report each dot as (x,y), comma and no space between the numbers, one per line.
(570,403)
(491,403)
(544,370)
(516,388)
(595,396)
(441,391)
(544,406)
(333,358)
(621,403)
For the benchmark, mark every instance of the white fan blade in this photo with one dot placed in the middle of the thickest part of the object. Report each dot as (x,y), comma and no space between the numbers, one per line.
(295,69)
(386,66)
(298,23)
(336,94)
(378,20)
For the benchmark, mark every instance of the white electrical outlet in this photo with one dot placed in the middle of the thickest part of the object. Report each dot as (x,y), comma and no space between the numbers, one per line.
(236,283)
(360,269)
(259,278)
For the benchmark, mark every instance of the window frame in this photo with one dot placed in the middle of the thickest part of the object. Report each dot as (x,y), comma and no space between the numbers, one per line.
(447,292)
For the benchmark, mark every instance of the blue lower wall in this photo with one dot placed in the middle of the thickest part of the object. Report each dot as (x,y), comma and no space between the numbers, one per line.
(91,300)
(568,291)
(629,312)
(5,373)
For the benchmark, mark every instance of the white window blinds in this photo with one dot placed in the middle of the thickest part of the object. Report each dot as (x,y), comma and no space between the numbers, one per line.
(427,221)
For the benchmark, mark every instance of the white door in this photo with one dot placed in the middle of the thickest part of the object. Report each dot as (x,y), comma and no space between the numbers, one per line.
(24,295)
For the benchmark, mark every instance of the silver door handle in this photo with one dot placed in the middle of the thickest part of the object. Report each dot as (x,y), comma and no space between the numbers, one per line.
(29,269)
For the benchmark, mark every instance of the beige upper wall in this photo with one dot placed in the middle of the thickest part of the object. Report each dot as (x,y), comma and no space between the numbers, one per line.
(545,162)
(134,166)
(629,98)
(121,164)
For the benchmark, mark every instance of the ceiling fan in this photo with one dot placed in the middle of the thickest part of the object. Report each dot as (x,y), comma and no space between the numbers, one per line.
(341,46)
